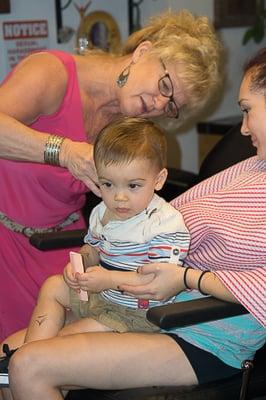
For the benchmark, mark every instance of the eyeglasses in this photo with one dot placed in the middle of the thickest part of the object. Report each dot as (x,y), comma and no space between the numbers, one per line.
(166,89)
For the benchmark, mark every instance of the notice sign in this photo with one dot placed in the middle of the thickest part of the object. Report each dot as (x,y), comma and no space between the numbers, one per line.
(24,37)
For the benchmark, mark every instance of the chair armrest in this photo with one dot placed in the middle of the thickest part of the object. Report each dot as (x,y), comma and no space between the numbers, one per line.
(58,240)
(191,312)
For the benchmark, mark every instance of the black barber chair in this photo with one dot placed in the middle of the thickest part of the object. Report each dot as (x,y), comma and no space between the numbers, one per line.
(249,384)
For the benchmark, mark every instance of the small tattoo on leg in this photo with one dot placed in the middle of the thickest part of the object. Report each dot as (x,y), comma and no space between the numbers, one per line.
(40,319)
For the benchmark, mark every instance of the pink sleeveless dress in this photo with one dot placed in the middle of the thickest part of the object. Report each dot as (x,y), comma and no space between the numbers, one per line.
(40,196)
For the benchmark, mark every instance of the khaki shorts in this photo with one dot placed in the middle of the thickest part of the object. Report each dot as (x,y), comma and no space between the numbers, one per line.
(118,318)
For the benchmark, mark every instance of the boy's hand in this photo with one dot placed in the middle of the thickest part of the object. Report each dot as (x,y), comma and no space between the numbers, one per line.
(94,280)
(69,277)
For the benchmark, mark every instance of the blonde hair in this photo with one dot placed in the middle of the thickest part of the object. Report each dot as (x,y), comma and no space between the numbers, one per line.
(184,39)
(128,139)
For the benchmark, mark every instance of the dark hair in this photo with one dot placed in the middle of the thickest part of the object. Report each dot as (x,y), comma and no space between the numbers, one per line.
(256,67)
(128,139)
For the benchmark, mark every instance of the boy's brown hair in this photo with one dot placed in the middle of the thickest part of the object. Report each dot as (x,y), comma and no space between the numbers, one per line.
(128,139)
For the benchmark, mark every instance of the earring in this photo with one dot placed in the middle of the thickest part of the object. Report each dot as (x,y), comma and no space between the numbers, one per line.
(123,77)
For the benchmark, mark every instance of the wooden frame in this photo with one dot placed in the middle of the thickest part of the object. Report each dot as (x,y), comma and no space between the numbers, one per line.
(4,6)
(112,36)
(234,13)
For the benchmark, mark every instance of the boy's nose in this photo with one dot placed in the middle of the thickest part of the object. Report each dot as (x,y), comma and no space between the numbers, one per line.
(120,196)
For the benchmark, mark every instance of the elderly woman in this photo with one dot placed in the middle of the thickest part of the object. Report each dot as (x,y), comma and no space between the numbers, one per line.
(226,217)
(52,106)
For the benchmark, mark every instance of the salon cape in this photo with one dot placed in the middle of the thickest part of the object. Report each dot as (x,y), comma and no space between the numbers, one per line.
(226,218)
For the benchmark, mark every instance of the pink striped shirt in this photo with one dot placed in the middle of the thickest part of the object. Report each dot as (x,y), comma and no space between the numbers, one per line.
(226,218)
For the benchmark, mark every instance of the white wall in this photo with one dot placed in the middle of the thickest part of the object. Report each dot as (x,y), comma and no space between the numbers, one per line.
(186,141)
(45,9)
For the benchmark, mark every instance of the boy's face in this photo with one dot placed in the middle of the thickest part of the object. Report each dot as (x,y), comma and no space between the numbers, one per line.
(127,189)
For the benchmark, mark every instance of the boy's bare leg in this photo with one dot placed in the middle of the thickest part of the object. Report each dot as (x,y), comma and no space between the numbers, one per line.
(50,312)
(83,325)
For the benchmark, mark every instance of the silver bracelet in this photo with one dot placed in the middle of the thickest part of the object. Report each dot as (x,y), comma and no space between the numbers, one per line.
(52,149)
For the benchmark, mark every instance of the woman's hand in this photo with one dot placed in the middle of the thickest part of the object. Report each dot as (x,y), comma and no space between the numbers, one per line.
(167,282)
(77,157)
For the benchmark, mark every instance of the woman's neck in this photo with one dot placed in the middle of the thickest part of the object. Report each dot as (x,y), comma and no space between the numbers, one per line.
(97,80)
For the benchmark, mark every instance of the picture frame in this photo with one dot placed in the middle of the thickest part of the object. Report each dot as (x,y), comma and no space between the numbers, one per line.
(101,31)
(234,13)
(4,6)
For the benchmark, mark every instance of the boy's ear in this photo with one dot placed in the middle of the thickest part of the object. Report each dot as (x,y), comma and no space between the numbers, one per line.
(160,179)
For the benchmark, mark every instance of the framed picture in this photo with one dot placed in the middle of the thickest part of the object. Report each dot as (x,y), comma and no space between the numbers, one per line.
(234,13)
(4,6)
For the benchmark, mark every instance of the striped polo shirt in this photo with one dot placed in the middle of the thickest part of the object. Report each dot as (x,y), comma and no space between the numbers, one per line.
(158,234)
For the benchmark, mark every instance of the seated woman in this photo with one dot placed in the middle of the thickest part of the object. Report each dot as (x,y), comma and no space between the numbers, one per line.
(226,217)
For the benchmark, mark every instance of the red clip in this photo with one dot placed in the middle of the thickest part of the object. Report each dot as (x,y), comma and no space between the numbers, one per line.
(143,304)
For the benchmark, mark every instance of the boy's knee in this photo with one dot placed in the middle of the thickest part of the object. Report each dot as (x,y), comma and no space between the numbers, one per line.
(52,285)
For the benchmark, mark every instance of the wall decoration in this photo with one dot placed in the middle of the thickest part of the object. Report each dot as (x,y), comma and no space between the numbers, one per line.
(257,31)
(234,13)
(97,30)
(4,6)
(134,15)
(22,37)
(64,33)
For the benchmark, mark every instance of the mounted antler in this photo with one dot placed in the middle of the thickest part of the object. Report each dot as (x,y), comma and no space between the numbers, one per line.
(82,10)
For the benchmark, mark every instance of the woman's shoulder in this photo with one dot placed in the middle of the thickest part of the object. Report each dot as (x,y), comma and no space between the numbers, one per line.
(35,75)
(49,68)
(235,174)
(47,59)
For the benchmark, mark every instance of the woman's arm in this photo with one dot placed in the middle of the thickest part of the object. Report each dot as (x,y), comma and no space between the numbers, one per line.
(169,281)
(36,87)
(19,142)
(209,284)
(96,279)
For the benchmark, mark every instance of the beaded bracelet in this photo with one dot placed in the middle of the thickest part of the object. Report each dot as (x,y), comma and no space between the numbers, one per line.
(185,277)
(52,149)
(199,282)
